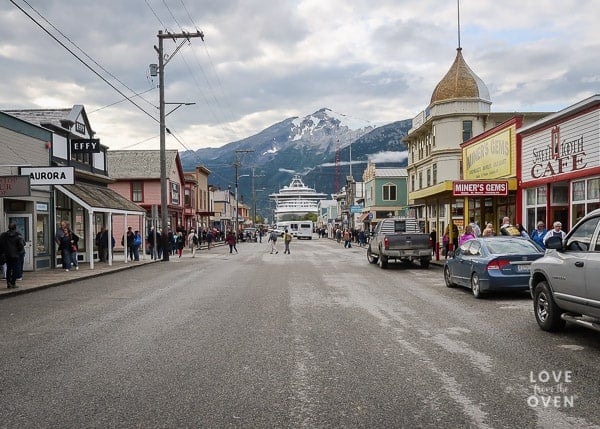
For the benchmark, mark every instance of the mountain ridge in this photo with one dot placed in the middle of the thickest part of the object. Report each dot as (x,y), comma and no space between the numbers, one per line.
(301,145)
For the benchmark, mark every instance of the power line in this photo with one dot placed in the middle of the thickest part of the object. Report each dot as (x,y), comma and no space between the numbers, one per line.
(80,59)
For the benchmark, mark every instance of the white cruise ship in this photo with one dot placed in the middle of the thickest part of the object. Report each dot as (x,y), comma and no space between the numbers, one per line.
(295,201)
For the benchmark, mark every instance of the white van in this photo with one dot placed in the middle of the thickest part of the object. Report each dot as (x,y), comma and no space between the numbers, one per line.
(298,228)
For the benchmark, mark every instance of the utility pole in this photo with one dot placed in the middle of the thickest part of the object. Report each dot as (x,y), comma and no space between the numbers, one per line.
(254,197)
(164,209)
(236,164)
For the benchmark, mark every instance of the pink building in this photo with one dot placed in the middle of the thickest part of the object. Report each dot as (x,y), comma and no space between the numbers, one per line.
(137,177)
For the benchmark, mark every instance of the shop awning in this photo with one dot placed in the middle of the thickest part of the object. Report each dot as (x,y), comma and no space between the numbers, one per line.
(364,216)
(100,199)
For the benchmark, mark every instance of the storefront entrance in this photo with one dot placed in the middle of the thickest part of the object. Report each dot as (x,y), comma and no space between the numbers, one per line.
(24,225)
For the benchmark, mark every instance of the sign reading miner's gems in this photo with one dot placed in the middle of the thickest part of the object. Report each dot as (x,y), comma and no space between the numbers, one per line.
(14,186)
(49,175)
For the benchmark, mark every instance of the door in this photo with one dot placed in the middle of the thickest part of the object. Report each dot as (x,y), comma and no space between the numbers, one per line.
(23,222)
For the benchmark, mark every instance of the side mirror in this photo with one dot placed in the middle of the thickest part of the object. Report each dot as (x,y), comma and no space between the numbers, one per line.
(554,243)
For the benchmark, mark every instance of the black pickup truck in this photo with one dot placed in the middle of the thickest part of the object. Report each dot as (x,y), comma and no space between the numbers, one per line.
(399,239)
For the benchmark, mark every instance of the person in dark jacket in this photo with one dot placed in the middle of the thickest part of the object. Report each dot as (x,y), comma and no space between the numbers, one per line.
(11,245)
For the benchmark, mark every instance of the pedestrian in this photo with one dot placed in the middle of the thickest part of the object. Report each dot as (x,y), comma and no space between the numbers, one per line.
(60,231)
(433,240)
(192,239)
(273,241)
(347,238)
(362,238)
(468,234)
(231,240)
(127,242)
(209,238)
(100,244)
(475,226)
(509,229)
(538,234)
(11,244)
(179,243)
(137,244)
(556,233)
(287,239)
(64,249)
(21,258)
(446,243)
(488,231)
(150,241)
(74,243)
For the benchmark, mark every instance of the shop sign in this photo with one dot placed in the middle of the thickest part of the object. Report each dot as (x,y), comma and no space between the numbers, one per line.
(468,188)
(49,175)
(356,208)
(492,157)
(14,186)
(85,145)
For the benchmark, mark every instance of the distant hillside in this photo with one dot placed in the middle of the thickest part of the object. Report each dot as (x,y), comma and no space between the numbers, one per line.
(305,146)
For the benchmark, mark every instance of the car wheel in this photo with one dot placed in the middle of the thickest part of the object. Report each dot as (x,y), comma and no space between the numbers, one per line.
(547,313)
(476,286)
(371,257)
(424,262)
(447,277)
(383,261)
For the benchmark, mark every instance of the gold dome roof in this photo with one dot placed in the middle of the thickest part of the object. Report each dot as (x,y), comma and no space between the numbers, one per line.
(460,82)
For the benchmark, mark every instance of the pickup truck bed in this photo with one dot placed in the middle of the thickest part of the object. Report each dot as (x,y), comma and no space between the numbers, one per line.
(399,239)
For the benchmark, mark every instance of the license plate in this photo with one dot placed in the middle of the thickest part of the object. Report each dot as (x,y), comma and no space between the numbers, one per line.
(523,268)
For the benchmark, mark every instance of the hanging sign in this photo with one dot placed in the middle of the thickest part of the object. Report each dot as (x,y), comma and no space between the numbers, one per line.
(85,145)
(14,186)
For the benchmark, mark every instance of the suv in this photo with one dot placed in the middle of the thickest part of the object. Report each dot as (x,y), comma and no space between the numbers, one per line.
(564,282)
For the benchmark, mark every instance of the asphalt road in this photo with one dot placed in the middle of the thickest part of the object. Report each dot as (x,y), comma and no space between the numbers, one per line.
(318,338)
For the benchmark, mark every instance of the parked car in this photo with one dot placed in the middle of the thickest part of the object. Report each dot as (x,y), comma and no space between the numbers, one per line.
(565,283)
(492,263)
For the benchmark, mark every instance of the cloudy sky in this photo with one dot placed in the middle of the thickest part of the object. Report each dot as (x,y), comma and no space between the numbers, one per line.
(262,61)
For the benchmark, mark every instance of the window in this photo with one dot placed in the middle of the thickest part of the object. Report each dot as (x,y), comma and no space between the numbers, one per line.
(467,130)
(187,197)
(428,177)
(389,192)
(412,182)
(434,174)
(420,180)
(137,194)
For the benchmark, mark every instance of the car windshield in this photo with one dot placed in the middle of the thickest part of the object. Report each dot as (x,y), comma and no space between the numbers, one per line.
(511,247)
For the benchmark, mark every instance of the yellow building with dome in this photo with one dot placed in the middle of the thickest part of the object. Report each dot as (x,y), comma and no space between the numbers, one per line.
(459,110)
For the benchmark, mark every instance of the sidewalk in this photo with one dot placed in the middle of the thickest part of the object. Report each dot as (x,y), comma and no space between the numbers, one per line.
(34,280)
(41,279)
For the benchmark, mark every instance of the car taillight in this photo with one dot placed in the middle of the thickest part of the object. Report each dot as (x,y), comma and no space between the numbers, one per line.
(497,264)
(386,243)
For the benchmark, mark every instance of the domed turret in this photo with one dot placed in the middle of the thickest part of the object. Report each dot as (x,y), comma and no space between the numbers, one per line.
(460,82)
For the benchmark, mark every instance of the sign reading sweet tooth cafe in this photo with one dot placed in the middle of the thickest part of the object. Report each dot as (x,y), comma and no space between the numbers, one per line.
(562,150)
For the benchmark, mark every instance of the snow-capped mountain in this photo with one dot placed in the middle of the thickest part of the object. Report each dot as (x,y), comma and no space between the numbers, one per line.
(306,146)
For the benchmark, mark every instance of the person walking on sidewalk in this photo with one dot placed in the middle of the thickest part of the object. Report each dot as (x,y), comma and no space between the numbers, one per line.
(64,248)
(287,239)
(193,242)
(231,241)
(11,245)
(273,241)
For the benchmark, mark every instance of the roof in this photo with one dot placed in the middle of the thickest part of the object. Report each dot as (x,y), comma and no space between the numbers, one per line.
(59,118)
(100,198)
(138,164)
(460,82)
(391,172)
(581,106)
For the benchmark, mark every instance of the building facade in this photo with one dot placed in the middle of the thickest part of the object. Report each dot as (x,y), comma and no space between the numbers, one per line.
(561,165)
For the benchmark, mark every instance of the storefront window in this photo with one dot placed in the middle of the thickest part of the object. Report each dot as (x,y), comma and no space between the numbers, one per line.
(578,193)
(535,207)
(42,234)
